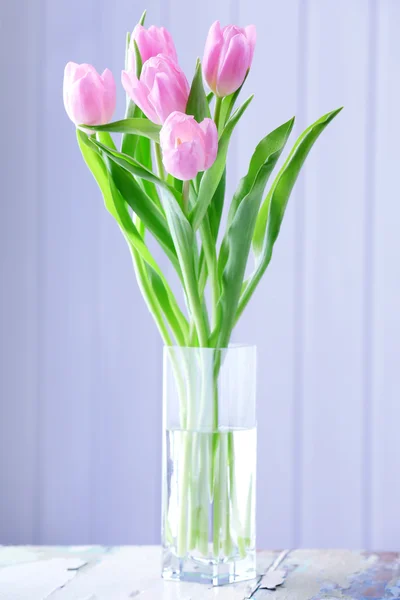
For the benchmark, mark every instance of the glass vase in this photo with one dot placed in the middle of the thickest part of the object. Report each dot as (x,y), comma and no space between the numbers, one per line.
(209,464)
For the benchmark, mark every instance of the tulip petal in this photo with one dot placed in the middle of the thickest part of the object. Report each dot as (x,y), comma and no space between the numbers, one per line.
(184,161)
(210,132)
(152,41)
(251,35)
(69,72)
(166,98)
(233,70)
(144,42)
(211,55)
(168,45)
(109,95)
(138,93)
(85,101)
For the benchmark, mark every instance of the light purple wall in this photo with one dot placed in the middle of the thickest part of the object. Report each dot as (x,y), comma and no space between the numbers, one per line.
(80,359)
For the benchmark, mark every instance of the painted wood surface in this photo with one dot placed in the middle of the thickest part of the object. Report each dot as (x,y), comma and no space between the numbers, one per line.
(98,573)
(80,359)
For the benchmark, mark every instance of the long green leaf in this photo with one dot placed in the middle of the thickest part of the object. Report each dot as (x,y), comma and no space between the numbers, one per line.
(182,234)
(273,209)
(197,104)
(267,152)
(134,167)
(272,143)
(128,140)
(212,176)
(184,240)
(229,102)
(287,176)
(181,331)
(116,205)
(144,208)
(143,156)
(143,17)
(216,206)
(142,205)
(113,200)
(138,59)
(142,272)
(133,126)
(238,242)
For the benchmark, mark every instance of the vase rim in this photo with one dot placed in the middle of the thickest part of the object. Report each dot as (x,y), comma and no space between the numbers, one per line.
(234,346)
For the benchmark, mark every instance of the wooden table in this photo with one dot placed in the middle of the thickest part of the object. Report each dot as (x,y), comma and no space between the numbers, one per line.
(123,573)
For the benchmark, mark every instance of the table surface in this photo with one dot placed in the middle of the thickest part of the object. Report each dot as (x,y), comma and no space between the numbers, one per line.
(126,572)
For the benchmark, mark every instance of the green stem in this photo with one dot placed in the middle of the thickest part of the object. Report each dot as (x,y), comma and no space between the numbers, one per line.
(217,495)
(212,267)
(197,312)
(217,111)
(202,279)
(159,162)
(149,296)
(185,197)
(250,288)
(182,541)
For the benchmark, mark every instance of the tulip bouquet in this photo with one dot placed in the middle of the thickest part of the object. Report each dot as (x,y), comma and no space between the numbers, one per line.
(167,181)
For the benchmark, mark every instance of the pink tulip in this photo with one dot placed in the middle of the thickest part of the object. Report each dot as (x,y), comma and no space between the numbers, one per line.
(161,89)
(89,98)
(188,146)
(227,57)
(151,41)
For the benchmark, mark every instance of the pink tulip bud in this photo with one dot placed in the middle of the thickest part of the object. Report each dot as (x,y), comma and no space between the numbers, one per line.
(151,41)
(188,146)
(161,89)
(228,55)
(89,98)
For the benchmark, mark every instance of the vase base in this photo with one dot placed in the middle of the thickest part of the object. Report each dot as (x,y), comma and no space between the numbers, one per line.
(211,572)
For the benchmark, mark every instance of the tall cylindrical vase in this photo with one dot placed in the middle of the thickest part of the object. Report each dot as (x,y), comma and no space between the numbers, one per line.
(209,464)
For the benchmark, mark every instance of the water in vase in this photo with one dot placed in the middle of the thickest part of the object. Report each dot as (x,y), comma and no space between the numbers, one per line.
(209,505)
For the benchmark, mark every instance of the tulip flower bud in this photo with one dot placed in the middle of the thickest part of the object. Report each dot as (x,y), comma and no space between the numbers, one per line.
(151,41)
(187,146)
(228,55)
(89,98)
(161,89)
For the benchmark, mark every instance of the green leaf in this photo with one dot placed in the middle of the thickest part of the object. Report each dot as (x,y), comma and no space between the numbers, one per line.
(287,176)
(143,18)
(210,96)
(238,243)
(134,167)
(134,126)
(144,208)
(228,102)
(142,205)
(143,156)
(113,200)
(272,143)
(116,206)
(216,206)
(160,286)
(197,104)
(268,152)
(185,243)
(178,326)
(129,141)
(212,176)
(273,209)
(181,232)
(138,59)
